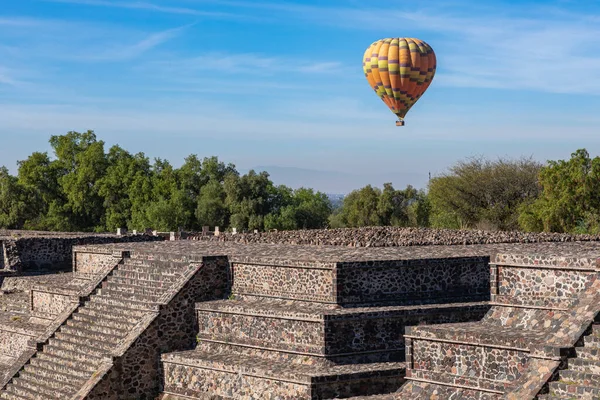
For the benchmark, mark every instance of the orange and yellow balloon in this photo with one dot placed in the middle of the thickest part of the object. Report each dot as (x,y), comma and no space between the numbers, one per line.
(399,70)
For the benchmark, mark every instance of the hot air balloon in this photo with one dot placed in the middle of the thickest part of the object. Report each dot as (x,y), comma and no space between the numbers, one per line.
(399,70)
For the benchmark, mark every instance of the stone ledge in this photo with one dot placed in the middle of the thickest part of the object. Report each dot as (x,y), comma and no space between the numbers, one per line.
(478,334)
(300,358)
(457,381)
(320,330)
(20,325)
(295,310)
(303,374)
(521,259)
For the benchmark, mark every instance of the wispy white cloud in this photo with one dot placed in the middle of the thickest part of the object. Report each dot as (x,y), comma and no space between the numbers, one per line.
(545,48)
(245,63)
(140,5)
(6,79)
(120,52)
(22,22)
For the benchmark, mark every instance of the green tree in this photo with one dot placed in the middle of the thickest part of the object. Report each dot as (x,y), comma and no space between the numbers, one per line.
(39,175)
(570,198)
(482,193)
(81,162)
(170,207)
(395,206)
(14,210)
(361,208)
(419,210)
(300,209)
(115,186)
(249,199)
(211,210)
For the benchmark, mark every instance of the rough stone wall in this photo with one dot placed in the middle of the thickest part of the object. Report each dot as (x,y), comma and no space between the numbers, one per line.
(138,373)
(91,263)
(384,330)
(414,281)
(14,343)
(286,333)
(190,381)
(2,254)
(473,361)
(51,304)
(52,254)
(541,286)
(299,283)
(345,283)
(331,336)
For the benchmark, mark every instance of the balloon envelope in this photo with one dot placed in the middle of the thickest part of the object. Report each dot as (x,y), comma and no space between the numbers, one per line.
(399,70)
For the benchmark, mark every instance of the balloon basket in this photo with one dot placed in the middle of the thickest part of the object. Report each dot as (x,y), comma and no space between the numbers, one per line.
(399,123)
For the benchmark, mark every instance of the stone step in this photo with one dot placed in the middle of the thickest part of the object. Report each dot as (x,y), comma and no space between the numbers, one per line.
(55,361)
(153,297)
(592,341)
(145,276)
(572,390)
(320,361)
(72,345)
(98,332)
(140,305)
(580,377)
(194,374)
(50,365)
(97,308)
(172,396)
(28,386)
(77,355)
(425,390)
(25,393)
(154,267)
(137,287)
(51,379)
(583,365)
(391,396)
(318,329)
(104,320)
(140,282)
(588,353)
(12,396)
(162,264)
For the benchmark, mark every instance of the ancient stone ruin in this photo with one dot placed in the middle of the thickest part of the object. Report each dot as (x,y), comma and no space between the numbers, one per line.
(177,320)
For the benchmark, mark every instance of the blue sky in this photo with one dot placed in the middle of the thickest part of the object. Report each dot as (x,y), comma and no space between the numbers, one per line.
(280,84)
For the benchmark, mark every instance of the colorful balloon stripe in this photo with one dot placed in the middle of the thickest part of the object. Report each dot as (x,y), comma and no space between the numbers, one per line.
(399,70)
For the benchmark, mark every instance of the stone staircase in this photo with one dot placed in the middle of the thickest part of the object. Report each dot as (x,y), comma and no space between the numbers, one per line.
(581,378)
(514,348)
(307,330)
(83,353)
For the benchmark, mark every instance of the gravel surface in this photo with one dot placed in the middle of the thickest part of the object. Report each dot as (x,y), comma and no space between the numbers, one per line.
(393,237)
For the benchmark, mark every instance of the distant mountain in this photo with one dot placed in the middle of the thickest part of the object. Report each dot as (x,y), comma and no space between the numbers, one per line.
(324,181)
(336,199)
(336,182)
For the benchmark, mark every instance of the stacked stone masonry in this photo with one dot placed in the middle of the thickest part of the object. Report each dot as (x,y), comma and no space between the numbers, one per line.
(142,307)
(25,251)
(230,321)
(541,307)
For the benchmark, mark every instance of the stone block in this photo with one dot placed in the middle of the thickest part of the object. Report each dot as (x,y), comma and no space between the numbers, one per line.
(196,374)
(320,330)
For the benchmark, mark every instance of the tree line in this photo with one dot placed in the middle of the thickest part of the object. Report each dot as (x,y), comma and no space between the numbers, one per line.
(82,187)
